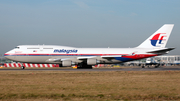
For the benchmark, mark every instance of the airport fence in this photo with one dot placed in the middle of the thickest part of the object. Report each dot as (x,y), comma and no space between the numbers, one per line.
(29,65)
(50,65)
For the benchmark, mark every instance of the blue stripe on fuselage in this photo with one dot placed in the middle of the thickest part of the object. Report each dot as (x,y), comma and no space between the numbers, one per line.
(123,59)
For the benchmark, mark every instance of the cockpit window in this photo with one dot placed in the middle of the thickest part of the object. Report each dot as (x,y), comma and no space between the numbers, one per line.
(16,47)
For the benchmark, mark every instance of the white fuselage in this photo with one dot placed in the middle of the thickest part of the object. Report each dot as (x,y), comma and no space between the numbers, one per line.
(56,54)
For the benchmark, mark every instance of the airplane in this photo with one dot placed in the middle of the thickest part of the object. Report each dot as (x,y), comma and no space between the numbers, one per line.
(85,58)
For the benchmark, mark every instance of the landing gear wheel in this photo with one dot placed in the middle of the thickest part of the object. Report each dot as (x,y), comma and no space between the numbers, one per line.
(60,65)
(87,67)
(22,67)
(84,66)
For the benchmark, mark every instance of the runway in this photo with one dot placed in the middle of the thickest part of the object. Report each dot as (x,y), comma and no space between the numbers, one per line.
(169,68)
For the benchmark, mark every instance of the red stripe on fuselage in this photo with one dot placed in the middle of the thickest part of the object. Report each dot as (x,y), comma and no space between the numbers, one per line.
(140,56)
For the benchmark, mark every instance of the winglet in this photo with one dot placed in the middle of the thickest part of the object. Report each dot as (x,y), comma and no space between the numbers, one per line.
(159,38)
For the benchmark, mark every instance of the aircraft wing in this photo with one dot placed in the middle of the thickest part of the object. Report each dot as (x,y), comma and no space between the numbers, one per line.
(59,60)
(110,56)
(80,59)
(161,50)
(87,57)
(99,57)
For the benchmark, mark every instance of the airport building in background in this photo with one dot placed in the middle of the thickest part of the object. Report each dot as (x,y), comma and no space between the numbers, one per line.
(163,60)
(169,59)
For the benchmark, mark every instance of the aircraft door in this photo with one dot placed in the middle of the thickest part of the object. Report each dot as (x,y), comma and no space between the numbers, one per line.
(41,48)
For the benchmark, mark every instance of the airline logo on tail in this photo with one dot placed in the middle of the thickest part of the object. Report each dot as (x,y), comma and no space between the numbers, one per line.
(157,39)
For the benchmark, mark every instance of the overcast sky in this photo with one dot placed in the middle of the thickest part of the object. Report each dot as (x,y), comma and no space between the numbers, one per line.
(86,23)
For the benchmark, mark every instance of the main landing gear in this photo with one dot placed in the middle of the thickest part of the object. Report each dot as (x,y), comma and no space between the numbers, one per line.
(84,66)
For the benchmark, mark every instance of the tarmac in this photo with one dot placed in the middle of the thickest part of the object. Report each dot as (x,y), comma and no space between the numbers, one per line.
(167,68)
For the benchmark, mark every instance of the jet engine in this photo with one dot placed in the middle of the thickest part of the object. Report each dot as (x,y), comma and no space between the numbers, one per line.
(66,63)
(91,61)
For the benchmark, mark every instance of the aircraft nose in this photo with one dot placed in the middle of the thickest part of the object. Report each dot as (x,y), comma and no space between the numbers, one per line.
(7,55)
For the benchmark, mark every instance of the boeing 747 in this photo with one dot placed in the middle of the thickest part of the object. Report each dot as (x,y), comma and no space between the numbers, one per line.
(87,57)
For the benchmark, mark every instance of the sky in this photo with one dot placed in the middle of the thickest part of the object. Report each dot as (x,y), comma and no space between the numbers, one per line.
(86,23)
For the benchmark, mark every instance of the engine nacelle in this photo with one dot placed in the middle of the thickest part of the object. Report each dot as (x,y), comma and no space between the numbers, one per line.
(66,63)
(91,61)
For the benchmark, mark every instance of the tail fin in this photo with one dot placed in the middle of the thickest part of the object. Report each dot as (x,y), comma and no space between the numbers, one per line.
(159,38)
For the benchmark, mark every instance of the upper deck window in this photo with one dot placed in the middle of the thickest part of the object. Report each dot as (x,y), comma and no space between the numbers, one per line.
(16,47)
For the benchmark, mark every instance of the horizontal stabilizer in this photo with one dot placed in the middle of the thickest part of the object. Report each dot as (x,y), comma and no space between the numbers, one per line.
(161,50)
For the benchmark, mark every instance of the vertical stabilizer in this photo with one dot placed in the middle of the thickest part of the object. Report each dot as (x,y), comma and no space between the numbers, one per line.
(159,38)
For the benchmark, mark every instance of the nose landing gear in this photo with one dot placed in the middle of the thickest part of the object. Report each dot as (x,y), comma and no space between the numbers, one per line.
(22,66)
